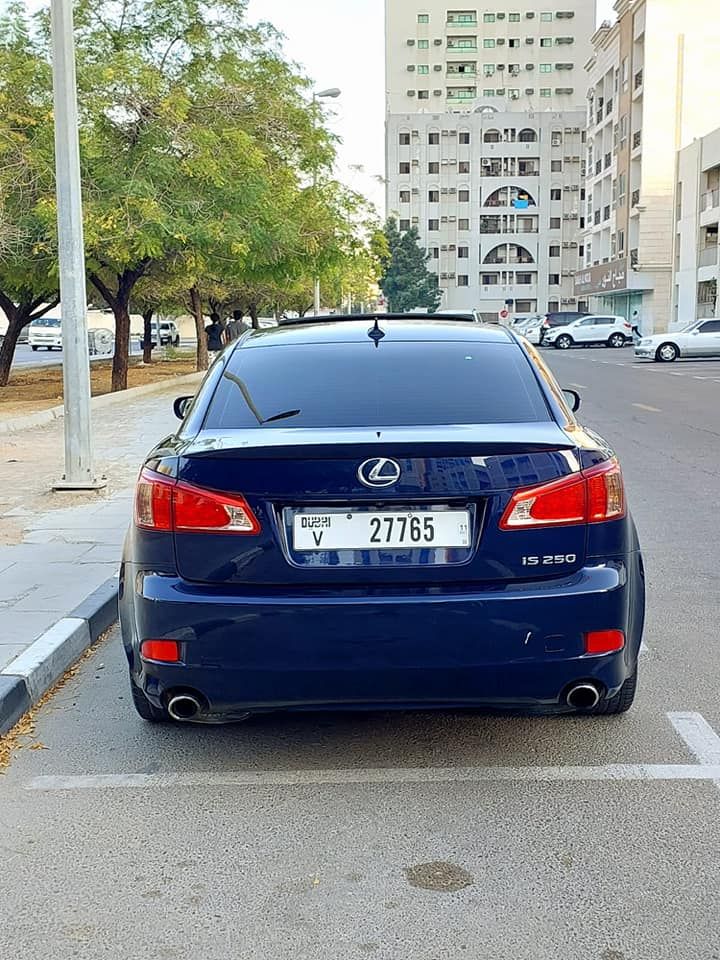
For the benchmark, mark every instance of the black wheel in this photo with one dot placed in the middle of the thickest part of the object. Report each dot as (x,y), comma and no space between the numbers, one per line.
(177,342)
(33,348)
(667,352)
(148,711)
(621,702)
(563,342)
(616,340)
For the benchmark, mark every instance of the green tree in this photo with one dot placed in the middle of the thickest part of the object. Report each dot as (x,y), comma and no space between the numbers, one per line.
(406,281)
(28,261)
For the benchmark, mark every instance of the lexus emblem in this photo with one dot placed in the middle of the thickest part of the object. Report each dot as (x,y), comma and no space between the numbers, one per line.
(379,472)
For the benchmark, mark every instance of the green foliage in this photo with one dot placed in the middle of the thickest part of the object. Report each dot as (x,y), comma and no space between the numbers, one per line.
(406,281)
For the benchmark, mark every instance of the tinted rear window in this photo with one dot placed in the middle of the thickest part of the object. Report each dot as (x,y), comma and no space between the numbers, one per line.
(396,384)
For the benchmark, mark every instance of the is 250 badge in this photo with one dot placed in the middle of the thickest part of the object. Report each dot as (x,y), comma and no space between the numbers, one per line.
(550,560)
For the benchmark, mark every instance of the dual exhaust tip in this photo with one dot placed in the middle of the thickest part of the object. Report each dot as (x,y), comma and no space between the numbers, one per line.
(583,696)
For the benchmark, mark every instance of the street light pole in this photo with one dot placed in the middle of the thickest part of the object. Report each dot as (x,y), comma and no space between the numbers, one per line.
(79,474)
(332,92)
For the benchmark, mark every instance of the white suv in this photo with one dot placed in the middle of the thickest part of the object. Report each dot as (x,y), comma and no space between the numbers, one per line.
(602,329)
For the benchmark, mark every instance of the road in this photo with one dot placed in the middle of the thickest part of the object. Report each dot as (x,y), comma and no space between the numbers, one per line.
(307,837)
(26,357)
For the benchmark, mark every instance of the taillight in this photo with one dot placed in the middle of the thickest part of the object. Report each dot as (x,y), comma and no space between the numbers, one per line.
(164,651)
(604,641)
(165,504)
(591,496)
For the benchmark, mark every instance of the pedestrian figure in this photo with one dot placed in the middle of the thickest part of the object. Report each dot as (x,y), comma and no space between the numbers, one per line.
(214,333)
(236,328)
(635,325)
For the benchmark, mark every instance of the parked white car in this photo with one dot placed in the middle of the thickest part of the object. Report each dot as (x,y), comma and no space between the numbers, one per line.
(45,332)
(611,331)
(700,339)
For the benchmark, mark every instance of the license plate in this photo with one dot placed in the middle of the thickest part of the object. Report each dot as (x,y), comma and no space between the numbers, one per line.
(381,530)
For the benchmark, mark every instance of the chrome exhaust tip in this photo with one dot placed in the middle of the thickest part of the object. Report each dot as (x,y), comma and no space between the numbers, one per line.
(583,696)
(184,707)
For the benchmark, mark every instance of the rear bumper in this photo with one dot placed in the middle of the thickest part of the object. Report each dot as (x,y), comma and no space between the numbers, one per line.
(520,646)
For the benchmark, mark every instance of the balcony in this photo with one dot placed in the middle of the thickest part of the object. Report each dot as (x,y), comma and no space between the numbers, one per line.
(705,310)
(607,163)
(638,80)
(598,167)
(637,139)
(710,200)
(708,256)
(462,45)
(461,21)
(634,258)
(635,198)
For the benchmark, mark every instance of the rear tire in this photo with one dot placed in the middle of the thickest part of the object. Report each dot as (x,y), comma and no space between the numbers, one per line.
(33,348)
(616,340)
(620,703)
(148,711)
(666,353)
(563,342)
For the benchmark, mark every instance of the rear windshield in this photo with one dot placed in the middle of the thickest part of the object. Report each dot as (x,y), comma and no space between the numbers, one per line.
(396,384)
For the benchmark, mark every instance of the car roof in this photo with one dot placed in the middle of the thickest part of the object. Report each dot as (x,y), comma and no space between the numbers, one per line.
(393,327)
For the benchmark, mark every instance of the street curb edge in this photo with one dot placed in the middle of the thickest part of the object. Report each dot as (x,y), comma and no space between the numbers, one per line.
(24,681)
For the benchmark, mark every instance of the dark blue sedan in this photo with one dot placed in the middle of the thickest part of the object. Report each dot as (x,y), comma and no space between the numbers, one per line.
(384,512)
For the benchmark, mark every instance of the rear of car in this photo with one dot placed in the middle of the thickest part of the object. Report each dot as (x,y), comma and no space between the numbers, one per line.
(405,515)
(45,332)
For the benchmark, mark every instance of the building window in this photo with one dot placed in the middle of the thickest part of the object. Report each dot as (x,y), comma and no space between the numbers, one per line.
(545,68)
(463,196)
(546,17)
(423,18)
(514,93)
(556,166)
(423,94)
(554,279)
(404,225)
(545,92)
(404,196)
(433,139)
(514,17)
(546,41)
(464,166)
(462,280)
(488,43)
(556,194)
(463,253)
(514,42)
(404,139)
(554,250)
(489,69)
(423,69)
(433,196)
(490,279)
(489,18)
(524,279)
(433,224)
(423,44)
(433,167)
(489,92)
(621,243)
(405,168)
(434,253)
(554,223)
(465,137)
(463,224)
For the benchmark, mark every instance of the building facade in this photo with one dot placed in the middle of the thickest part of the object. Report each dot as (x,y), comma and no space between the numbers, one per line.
(497,200)
(485,109)
(648,96)
(697,266)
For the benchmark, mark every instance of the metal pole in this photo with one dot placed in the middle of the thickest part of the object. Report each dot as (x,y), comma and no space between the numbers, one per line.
(79,473)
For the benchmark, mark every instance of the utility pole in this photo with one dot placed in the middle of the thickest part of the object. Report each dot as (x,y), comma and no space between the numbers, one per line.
(332,93)
(79,474)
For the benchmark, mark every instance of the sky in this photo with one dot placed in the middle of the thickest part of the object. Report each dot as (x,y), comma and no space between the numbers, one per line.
(339,43)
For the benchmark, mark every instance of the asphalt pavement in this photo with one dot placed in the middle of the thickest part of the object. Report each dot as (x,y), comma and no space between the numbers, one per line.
(410,836)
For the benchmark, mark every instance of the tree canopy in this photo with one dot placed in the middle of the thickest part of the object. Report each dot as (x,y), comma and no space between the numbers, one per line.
(406,281)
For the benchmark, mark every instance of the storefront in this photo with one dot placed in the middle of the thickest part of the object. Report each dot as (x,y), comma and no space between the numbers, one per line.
(614,288)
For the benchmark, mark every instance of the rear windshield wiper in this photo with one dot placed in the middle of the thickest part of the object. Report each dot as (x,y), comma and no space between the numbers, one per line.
(285,415)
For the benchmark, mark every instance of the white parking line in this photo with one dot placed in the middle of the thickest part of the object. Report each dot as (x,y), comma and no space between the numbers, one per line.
(644,406)
(697,734)
(580,386)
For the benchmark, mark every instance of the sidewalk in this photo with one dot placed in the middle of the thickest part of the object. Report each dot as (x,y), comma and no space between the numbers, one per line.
(58,548)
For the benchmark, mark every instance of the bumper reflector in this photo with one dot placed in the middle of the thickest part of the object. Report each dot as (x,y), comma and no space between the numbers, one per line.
(164,651)
(604,641)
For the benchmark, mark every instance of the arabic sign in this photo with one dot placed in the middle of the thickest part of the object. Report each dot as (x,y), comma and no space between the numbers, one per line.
(604,278)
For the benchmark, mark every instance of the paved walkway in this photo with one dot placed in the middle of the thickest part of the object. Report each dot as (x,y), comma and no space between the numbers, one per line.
(56,548)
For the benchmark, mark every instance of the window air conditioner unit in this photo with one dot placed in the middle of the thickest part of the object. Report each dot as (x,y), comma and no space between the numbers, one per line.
(453,163)
(411,93)
(530,15)
(411,67)
(445,133)
(437,93)
(443,276)
(416,163)
(416,133)
(453,190)
(529,66)
(487,163)
(453,133)
(566,245)
(437,68)
(443,220)
(500,42)
(501,66)
(576,130)
(575,188)
(452,245)
(566,300)
(529,41)
(451,276)
(411,43)
(514,96)
(452,219)
(501,16)
(568,273)
(438,43)
(415,190)
(444,246)
(415,219)
(444,190)
(444,162)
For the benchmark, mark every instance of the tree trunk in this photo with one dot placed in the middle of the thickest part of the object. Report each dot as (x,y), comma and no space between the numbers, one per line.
(121,311)
(253,311)
(16,321)
(202,350)
(147,335)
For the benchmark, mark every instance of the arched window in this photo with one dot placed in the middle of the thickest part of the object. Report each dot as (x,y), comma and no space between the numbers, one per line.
(527,136)
(505,197)
(512,253)
(492,136)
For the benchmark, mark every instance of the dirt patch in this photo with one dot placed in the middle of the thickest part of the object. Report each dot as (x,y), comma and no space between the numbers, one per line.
(438,876)
(42,387)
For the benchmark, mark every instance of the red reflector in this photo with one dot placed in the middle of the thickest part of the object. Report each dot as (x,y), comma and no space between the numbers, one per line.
(604,641)
(166,651)
(162,503)
(591,496)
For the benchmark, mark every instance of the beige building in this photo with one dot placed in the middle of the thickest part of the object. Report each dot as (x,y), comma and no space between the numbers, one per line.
(651,91)
(485,145)
(697,254)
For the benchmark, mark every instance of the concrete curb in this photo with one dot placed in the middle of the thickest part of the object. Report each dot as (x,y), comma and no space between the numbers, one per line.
(29,676)
(43,417)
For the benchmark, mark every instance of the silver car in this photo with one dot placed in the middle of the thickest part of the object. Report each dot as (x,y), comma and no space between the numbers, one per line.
(700,339)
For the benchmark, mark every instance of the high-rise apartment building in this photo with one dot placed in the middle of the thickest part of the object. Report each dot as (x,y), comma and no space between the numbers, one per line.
(485,148)
(650,93)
